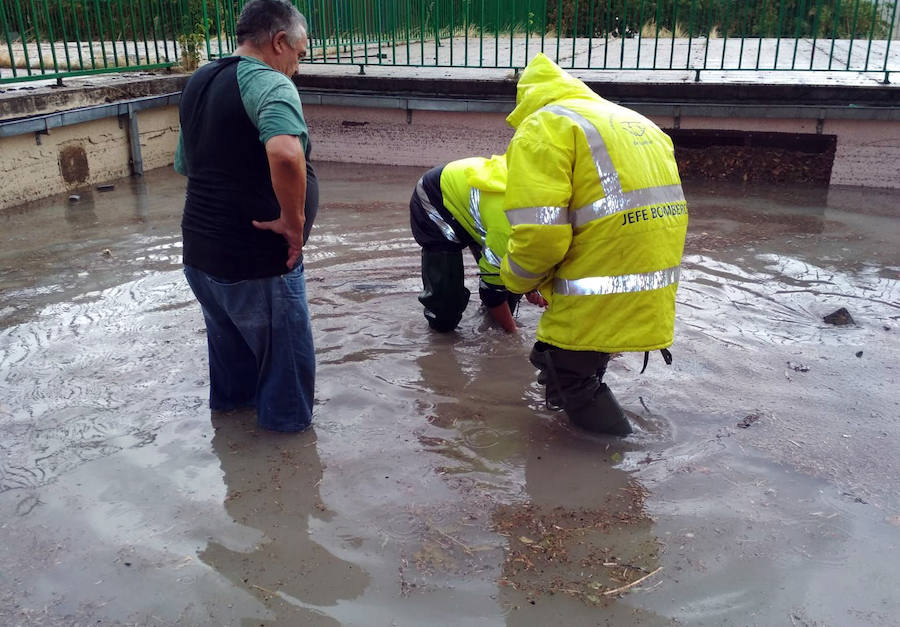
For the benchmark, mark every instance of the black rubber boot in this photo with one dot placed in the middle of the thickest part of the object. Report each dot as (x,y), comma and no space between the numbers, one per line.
(602,414)
(444,294)
(573,382)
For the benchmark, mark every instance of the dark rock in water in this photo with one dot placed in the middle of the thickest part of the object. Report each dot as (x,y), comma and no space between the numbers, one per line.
(839,317)
(74,198)
(106,188)
(748,420)
(859,354)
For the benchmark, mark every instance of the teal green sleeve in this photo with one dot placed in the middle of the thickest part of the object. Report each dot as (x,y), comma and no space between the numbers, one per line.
(180,165)
(271,101)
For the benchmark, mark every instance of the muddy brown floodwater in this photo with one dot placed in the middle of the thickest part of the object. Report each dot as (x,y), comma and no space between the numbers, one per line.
(435,489)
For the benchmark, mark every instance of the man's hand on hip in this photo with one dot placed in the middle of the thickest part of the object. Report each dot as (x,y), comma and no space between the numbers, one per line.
(294,238)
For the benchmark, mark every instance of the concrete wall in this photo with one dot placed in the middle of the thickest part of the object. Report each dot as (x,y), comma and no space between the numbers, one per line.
(75,157)
(390,136)
(868,153)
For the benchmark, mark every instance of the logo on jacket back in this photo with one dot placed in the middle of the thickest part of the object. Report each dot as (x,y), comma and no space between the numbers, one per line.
(635,128)
(638,130)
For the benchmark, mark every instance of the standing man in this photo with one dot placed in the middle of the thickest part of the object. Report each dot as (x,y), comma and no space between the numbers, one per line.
(251,200)
(454,207)
(598,223)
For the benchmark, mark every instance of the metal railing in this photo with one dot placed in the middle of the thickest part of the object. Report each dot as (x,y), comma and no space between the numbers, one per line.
(44,39)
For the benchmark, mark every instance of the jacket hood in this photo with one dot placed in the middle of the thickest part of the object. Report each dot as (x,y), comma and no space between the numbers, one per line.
(541,83)
(490,176)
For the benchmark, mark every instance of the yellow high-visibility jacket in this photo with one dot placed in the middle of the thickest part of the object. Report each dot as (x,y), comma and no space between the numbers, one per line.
(473,193)
(598,218)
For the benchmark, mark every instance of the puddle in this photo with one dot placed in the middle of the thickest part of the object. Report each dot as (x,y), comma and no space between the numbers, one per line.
(435,487)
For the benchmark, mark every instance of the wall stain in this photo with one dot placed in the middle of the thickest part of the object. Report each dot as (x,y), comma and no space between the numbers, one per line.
(73,163)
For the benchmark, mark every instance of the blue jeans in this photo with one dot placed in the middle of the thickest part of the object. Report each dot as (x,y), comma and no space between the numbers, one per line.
(260,346)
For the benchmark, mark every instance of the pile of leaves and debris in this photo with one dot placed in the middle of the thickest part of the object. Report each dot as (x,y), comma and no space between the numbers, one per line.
(589,554)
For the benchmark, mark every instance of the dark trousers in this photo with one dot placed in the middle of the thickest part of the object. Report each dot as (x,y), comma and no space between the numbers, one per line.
(570,377)
(260,346)
(573,381)
(444,294)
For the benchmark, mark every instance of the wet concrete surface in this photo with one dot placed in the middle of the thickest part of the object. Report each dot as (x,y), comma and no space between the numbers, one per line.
(759,489)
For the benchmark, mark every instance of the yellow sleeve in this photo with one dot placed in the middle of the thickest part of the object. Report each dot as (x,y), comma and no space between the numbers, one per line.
(538,193)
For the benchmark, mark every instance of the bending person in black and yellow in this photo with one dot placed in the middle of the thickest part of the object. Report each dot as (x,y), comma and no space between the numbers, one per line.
(458,206)
(598,222)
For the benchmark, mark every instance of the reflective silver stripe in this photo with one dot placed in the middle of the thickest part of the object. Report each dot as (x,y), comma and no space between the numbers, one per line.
(475,210)
(492,257)
(538,215)
(445,228)
(626,202)
(609,178)
(615,199)
(618,284)
(521,272)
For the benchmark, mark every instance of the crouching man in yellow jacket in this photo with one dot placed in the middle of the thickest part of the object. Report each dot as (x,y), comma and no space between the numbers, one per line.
(453,207)
(598,222)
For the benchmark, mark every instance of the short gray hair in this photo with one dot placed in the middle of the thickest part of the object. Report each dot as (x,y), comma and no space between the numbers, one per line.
(260,20)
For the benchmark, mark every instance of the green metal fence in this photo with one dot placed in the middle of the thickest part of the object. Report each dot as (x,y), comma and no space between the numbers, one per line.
(55,38)
(44,39)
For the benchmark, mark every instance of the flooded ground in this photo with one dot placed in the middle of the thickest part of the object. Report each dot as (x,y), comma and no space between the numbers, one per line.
(759,489)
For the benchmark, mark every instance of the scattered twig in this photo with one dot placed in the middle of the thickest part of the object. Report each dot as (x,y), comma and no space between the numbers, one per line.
(624,565)
(452,539)
(566,591)
(268,592)
(632,584)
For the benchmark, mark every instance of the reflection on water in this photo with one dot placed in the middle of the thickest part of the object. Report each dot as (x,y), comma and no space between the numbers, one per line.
(436,488)
(272,484)
(579,533)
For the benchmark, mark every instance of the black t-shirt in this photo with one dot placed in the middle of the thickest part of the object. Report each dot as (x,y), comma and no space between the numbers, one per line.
(229,183)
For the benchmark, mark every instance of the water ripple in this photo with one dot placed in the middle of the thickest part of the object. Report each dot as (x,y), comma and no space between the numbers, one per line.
(76,379)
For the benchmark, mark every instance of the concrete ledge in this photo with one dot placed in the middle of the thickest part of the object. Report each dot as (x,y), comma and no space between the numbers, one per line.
(504,89)
(486,89)
(464,103)
(23,100)
(43,124)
